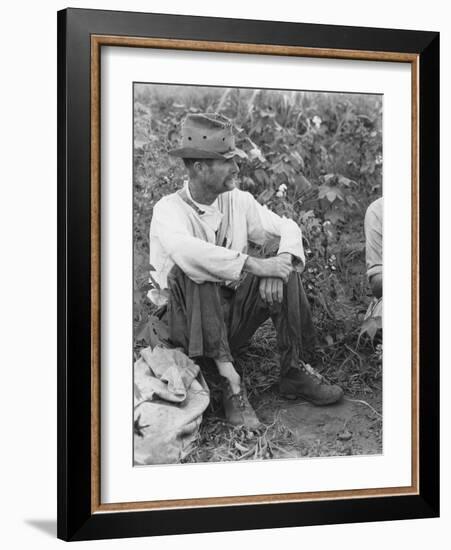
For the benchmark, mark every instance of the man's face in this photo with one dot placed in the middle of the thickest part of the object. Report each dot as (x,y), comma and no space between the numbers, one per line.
(220,175)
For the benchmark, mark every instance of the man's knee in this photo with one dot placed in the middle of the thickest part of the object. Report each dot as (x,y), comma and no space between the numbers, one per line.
(177,278)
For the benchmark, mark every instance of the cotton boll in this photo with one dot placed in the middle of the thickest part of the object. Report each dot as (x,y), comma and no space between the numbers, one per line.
(282,191)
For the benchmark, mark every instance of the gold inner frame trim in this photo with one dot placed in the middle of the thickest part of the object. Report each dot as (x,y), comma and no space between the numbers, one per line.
(97,41)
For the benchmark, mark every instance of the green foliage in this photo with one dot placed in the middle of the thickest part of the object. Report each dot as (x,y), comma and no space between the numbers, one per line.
(314,157)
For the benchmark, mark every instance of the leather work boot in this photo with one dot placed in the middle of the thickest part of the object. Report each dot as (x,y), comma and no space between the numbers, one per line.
(305,382)
(238,411)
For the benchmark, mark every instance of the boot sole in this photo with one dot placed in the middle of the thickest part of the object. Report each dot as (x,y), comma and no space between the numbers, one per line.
(294,397)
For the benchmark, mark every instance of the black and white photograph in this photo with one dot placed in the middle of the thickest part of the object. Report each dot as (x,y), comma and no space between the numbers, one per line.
(248,275)
(257,270)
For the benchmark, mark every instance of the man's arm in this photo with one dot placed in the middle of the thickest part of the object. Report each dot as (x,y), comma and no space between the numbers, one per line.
(264,225)
(200,260)
(373,246)
(279,266)
(271,288)
(273,272)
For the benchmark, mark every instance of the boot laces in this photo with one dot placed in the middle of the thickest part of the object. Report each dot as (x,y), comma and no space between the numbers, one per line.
(239,397)
(309,370)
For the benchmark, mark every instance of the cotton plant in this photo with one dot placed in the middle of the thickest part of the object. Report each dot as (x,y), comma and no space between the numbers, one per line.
(316,121)
(282,191)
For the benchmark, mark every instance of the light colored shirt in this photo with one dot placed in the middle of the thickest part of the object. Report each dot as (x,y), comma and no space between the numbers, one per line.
(180,235)
(373,236)
(212,215)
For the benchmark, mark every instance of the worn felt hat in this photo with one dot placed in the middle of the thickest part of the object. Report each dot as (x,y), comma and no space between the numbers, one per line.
(207,136)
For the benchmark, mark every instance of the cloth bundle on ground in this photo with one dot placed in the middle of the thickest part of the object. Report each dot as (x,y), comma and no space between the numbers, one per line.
(170,396)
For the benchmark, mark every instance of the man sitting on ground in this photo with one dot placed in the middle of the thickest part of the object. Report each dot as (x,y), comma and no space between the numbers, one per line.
(218,294)
(373,252)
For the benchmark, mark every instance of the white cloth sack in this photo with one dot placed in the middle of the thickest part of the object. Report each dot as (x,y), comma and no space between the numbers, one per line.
(170,396)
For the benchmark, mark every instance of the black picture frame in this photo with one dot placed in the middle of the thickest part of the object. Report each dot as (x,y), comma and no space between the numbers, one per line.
(76,518)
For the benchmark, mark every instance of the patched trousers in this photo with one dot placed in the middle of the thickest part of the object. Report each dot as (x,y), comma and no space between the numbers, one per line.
(215,321)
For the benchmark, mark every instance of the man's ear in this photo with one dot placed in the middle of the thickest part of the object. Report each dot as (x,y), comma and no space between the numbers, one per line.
(198,166)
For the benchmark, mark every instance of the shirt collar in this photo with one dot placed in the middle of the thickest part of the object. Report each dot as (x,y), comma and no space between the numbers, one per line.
(207,208)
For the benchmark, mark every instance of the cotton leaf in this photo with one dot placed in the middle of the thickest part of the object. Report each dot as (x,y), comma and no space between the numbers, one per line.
(280,168)
(256,154)
(329,193)
(266,113)
(142,331)
(334,216)
(331,196)
(146,287)
(342,180)
(158,296)
(305,215)
(265,196)
(253,151)
(140,108)
(322,191)
(352,201)
(328,178)
(262,177)
(370,326)
(158,332)
(248,183)
(297,159)
(302,183)
(139,143)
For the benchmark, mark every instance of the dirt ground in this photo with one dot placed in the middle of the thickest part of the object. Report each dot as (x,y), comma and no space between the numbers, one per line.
(294,429)
(350,427)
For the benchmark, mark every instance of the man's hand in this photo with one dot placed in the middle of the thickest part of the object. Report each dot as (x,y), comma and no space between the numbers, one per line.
(271,290)
(279,266)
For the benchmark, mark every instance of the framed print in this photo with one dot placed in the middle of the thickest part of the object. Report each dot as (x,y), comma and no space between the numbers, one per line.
(235,198)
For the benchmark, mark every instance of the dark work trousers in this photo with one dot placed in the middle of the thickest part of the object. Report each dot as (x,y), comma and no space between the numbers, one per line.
(215,321)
